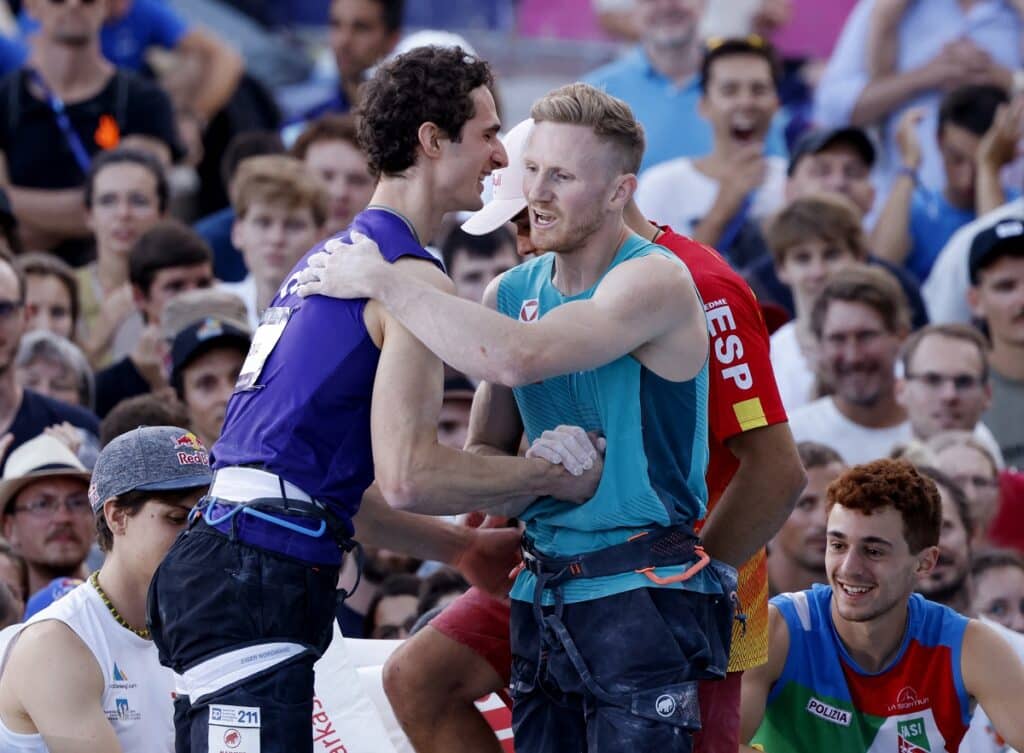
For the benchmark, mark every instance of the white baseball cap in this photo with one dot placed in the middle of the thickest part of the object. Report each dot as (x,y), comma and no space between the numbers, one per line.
(507,199)
(431,38)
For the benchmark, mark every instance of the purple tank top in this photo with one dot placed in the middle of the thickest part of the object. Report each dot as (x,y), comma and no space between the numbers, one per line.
(307,417)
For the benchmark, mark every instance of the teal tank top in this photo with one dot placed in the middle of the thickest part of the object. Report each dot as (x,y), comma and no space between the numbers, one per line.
(657,442)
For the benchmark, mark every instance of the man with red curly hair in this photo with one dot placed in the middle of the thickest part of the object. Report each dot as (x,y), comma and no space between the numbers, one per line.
(864,663)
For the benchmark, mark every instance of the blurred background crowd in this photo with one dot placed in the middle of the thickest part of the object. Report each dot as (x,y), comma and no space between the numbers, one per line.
(164,164)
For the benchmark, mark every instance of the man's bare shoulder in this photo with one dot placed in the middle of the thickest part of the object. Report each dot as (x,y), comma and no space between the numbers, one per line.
(377,318)
(655,272)
(49,653)
(426,271)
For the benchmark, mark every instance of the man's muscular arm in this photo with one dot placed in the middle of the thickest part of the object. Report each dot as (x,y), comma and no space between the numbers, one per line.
(994,675)
(496,428)
(757,682)
(638,303)
(483,556)
(53,678)
(415,472)
(759,497)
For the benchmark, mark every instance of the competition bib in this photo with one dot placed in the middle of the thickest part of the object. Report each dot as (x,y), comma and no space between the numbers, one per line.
(265,339)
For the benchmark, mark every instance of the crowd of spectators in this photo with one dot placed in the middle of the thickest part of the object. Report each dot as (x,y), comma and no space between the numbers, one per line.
(857,161)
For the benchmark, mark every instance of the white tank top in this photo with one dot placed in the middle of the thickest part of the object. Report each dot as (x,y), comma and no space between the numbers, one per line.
(138,693)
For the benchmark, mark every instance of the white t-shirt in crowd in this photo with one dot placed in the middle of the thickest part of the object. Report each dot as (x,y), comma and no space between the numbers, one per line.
(246,290)
(945,290)
(793,372)
(676,193)
(821,421)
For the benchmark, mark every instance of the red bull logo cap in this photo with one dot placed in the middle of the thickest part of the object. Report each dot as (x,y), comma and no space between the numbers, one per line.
(149,458)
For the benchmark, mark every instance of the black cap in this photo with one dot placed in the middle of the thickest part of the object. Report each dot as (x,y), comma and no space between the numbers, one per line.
(1002,239)
(201,336)
(814,142)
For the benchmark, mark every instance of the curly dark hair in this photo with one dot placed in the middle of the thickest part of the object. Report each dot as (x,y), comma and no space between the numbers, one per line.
(425,85)
(886,483)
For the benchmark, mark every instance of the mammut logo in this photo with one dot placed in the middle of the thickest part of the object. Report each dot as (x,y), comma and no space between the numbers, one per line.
(665,705)
(232,738)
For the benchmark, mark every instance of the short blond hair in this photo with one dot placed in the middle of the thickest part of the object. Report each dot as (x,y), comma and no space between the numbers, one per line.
(278,179)
(608,117)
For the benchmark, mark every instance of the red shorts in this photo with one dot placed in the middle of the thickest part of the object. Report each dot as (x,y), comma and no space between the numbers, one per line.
(719,715)
(481,623)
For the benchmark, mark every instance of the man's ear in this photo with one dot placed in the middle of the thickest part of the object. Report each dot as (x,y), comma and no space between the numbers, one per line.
(900,390)
(138,297)
(429,137)
(974,302)
(624,190)
(926,561)
(236,233)
(116,517)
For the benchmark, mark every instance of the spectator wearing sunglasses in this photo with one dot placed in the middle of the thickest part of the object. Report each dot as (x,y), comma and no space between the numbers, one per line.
(46,512)
(66,104)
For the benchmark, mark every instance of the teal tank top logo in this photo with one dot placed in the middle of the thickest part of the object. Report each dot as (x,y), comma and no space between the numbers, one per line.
(656,431)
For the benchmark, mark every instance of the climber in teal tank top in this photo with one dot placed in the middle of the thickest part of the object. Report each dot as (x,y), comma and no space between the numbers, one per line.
(657,450)
(864,665)
(618,611)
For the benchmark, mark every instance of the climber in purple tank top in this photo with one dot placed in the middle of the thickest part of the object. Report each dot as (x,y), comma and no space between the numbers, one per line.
(333,395)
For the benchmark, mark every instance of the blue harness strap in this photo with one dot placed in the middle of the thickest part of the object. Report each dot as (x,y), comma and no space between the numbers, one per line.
(269,508)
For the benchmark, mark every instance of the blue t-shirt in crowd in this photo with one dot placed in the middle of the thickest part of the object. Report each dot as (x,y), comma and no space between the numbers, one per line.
(148,23)
(668,112)
(13,54)
(933,220)
(124,40)
(215,229)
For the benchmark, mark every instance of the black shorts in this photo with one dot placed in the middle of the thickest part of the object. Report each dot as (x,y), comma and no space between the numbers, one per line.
(643,652)
(212,595)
